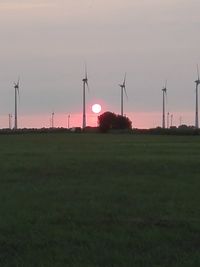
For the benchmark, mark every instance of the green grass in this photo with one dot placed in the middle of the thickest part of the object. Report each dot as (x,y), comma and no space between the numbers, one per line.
(99,200)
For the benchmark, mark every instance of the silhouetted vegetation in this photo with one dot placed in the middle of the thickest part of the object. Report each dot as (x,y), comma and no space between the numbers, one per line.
(111,123)
(109,120)
(181,130)
(40,130)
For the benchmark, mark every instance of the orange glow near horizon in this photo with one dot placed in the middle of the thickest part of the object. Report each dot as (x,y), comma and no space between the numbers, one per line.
(139,120)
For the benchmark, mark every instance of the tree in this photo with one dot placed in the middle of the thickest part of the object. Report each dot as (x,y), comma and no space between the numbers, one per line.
(109,120)
(106,121)
(123,122)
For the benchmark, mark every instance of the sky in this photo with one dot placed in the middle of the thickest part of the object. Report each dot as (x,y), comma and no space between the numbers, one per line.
(47,42)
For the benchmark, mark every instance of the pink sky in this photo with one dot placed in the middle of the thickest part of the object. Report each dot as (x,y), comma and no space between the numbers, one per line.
(139,120)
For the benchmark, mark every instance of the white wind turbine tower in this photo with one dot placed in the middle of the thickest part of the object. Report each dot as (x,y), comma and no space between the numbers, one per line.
(52,119)
(164,90)
(123,90)
(10,121)
(197,100)
(85,83)
(16,86)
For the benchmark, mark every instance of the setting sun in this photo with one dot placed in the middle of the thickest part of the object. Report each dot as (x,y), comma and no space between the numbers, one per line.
(96,108)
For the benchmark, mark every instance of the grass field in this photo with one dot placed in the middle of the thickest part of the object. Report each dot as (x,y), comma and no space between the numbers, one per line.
(84,200)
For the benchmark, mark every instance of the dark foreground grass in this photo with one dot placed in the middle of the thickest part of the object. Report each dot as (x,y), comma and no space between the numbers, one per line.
(99,200)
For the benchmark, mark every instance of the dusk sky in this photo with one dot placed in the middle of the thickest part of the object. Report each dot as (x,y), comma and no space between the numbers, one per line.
(46,42)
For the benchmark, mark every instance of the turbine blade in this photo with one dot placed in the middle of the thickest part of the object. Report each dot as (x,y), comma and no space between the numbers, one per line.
(166,97)
(166,84)
(86,71)
(18,86)
(87,86)
(198,71)
(125,92)
(19,96)
(18,81)
(124,83)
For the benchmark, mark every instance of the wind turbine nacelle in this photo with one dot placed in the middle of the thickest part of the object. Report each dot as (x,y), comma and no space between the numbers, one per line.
(197,82)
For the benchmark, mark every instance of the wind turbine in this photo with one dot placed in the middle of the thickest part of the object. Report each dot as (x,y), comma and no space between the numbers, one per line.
(68,121)
(85,83)
(168,120)
(52,119)
(123,90)
(171,120)
(10,121)
(16,87)
(164,90)
(197,100)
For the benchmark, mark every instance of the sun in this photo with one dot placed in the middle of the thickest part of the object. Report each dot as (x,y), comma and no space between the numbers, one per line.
(96,108)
